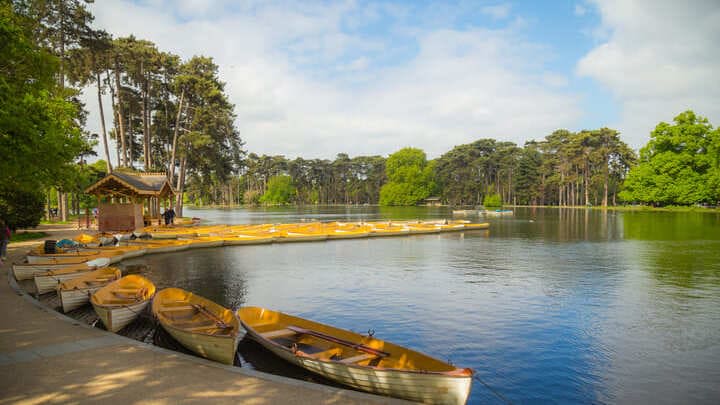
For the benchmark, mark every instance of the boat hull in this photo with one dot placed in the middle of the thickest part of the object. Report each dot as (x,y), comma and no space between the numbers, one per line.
(73,299)
(117,317)
(218,348)
(414,386)
(247,240)
(28,271)
(49,282)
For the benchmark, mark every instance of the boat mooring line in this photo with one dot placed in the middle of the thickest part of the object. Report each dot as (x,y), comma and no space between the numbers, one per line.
(493,390)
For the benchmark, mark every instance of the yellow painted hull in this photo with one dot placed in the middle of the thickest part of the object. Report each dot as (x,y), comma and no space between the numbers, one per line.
(400,372)
(76,293)
(49,282)
(193,321)
(121,302)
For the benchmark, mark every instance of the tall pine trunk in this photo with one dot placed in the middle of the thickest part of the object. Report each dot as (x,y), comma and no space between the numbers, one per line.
(143,116)
(120,116)
(175,137)
(180,187)
(108,165)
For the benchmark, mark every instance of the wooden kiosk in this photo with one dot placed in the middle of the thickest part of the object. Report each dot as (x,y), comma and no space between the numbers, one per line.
(129,200)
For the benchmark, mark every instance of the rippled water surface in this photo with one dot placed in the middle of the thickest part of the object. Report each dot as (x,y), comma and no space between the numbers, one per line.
(563,306)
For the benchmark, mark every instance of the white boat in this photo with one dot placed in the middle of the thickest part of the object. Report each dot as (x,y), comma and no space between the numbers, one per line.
(199,324)
(76,292)
(362,362)
(121,302)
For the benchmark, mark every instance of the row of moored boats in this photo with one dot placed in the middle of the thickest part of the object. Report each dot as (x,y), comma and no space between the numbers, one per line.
(82,276)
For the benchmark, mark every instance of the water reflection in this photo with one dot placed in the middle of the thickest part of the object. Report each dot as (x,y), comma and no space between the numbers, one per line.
(549,306)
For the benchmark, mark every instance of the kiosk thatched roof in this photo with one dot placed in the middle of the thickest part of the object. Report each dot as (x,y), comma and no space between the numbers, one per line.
(133,184)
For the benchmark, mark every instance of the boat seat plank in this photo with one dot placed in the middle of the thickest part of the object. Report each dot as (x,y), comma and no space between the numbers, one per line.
(198,328)
(278,333)
(194,325)
(358,358)
(325,354)
(178,308)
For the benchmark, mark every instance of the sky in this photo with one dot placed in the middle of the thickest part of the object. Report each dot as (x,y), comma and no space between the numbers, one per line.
(315,79)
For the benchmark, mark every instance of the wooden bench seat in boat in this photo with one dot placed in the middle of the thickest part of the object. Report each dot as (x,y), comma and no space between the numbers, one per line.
(325,354)
(358,358)
(273,334)
(127,290)
(178,308)
(195,325)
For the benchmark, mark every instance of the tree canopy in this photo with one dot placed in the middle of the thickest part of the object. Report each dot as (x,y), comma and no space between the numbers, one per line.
(678,166)
(410,178)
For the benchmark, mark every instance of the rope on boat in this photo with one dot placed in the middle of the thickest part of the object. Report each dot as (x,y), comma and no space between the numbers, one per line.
(491,389)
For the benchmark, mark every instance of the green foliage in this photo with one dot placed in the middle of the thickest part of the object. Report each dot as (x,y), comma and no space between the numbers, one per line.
(23,236)
(21,208)
(492,200)
(679,165)
(410,178)
(39,133)
(280,191)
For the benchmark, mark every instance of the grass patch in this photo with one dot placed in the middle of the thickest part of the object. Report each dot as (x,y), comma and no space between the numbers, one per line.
(23,236)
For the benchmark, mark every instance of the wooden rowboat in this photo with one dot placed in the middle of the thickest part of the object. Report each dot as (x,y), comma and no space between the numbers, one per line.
(76,292)
(48,281)
(199,324)
(120,302)
(347,234)
(35,257)
(242,239)
(362,362)
(26,271)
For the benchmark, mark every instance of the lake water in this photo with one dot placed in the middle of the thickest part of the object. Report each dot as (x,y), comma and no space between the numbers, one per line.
(548,306)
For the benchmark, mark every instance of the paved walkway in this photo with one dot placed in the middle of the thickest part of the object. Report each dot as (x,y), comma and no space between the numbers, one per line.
(46,357)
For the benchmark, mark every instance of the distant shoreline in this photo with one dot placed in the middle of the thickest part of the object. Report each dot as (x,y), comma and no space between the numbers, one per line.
(621,208)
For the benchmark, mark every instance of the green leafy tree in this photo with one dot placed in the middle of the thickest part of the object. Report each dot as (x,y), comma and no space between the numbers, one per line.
(39,130)
(21,208)
(280,190)
(679,165)
(492,201)
(410,178)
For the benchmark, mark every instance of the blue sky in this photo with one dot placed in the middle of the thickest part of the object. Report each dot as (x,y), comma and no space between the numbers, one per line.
(314,79)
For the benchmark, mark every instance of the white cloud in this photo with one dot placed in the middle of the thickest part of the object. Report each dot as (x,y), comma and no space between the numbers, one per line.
(277,60)
(659,59)
(580,10)
(498,11)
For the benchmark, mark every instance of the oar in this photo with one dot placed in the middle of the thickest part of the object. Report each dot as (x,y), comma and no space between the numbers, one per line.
(337,340)
(220,323)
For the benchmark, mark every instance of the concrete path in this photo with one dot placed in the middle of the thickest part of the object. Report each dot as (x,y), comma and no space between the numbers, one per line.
(46,357)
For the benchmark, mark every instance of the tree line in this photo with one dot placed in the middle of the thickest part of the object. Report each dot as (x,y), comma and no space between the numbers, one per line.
(680,165)
(566,168)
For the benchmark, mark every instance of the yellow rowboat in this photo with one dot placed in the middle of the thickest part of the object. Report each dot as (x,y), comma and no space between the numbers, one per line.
(121,302)
(362,362)
(287,236)
(423,229)
(241,239)
(49,280)
(199,324)
(76,292)
(205,242)
(469,227)
(390,231)
(25,271)
(349,234)
(35,257)
(161,246)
